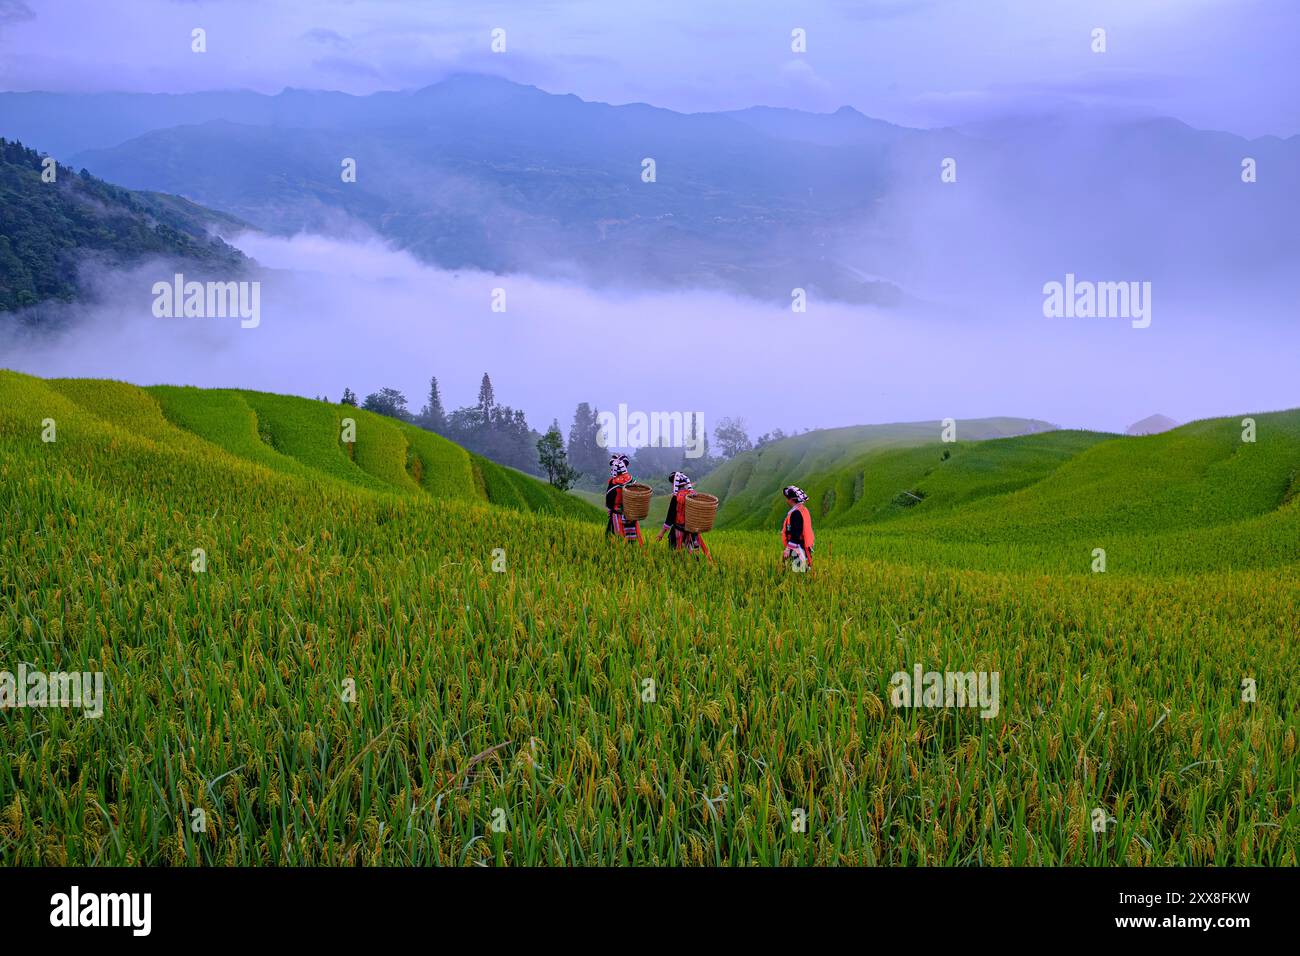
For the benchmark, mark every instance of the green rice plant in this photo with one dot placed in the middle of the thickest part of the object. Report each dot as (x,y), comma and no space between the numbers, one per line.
(447,472)
(368,673)
(224,418)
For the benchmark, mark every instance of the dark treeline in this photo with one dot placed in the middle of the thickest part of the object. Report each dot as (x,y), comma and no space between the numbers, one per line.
(502,433)
(487,427)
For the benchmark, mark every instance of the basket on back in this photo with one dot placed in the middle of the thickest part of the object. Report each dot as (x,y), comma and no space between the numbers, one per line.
(636,501)
(701,509)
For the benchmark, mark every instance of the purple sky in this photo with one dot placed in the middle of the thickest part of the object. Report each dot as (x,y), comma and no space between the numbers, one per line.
(1217,64)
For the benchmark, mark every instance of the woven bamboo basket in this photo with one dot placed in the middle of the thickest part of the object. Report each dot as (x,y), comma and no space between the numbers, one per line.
(701,509)
(636,501)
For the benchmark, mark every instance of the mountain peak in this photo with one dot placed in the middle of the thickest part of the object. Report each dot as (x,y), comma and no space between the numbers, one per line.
(475,81)
(1152,425)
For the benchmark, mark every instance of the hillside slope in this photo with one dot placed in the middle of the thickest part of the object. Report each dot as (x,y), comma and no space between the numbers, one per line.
(1195,498)
(1198,474)
(301,438)
(48,230)
(748,483)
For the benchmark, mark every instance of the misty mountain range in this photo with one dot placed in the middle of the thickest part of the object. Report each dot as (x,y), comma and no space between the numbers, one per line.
(478,172)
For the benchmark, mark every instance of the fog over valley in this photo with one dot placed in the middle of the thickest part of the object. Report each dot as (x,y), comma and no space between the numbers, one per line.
(341,313)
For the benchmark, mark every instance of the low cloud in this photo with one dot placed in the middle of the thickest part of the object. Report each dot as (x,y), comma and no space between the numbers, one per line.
(345,313)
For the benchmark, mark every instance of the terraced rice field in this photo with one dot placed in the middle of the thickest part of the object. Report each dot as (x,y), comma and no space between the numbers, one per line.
(401,654)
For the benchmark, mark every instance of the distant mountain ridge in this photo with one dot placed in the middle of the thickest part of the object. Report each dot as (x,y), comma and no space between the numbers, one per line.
(72,123)
(480,172)
(477,172)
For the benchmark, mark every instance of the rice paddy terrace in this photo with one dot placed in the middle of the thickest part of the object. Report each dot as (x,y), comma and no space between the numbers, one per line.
(395,652)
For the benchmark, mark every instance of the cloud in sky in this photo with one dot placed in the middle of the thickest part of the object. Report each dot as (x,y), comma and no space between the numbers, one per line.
(14,11)
(1212,63)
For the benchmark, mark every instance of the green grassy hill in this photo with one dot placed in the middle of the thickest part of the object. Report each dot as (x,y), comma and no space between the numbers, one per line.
(747,484)
(378,660)
(302,438)
(1195,497)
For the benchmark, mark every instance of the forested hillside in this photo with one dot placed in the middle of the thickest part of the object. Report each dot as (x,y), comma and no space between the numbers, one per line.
(51,225)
